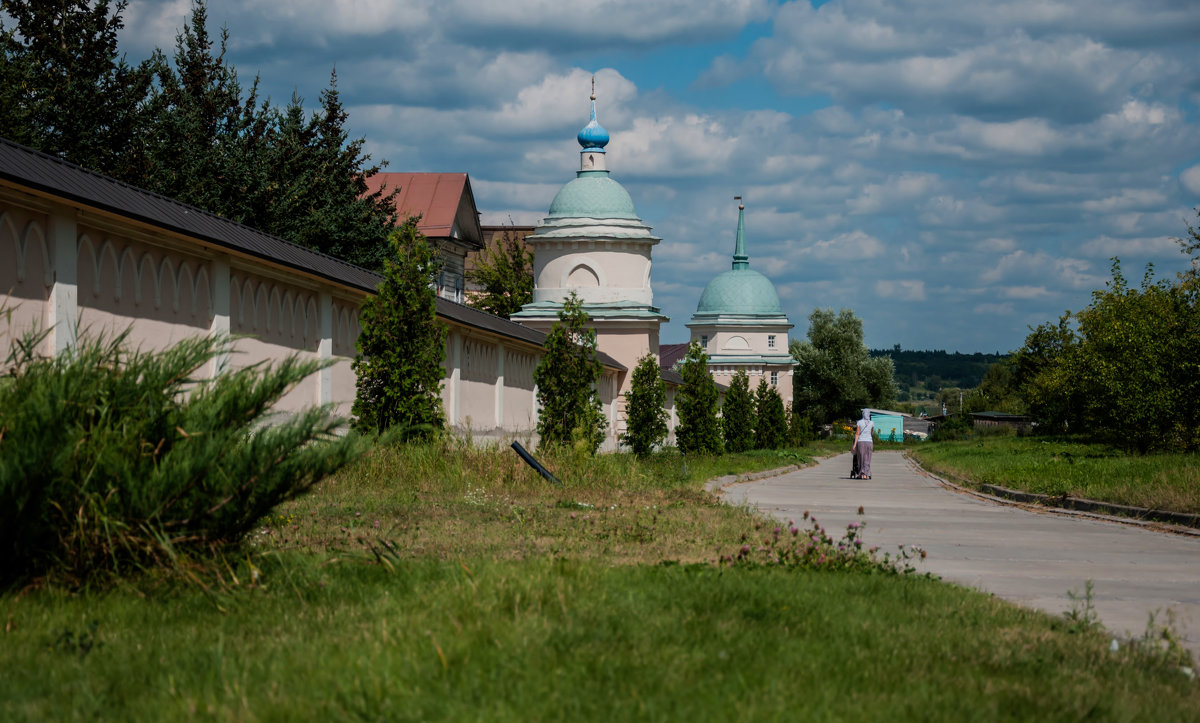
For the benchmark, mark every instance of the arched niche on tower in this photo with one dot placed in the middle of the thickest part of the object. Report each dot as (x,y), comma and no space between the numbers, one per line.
(582,274)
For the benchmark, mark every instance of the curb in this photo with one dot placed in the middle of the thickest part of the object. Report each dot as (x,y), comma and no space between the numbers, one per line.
(718,484)
(1165,520)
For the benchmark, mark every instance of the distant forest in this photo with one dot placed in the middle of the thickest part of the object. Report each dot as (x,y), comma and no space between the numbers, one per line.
(921,374)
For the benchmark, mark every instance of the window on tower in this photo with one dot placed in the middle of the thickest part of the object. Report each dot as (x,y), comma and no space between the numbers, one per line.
(774,379)
(704,342)
(770,341)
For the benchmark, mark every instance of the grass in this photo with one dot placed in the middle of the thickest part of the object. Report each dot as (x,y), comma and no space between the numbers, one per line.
(452,583)
(1069,467)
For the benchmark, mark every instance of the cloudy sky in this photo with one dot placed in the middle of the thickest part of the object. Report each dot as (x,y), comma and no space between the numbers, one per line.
(951,170)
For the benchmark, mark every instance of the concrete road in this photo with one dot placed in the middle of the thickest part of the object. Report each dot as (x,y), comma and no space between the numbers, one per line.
(1033,558)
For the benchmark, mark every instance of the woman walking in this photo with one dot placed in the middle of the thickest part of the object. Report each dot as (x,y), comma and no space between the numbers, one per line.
(864,444)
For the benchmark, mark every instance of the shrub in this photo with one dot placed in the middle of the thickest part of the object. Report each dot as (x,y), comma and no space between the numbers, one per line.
(403,344)
(770,429)
(645,408)
(737,414)
(112,458)
(566,379)
(699,430)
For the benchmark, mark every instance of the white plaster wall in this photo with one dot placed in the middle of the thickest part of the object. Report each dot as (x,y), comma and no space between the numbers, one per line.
(622,273)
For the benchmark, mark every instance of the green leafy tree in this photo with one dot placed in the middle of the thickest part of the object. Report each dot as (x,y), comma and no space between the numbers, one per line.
(1045,383)
(771,430)
(402,344)
(699,429)
(645,408)
(65,88)
(835,375)
(567,378)
(504,272)
(737,414)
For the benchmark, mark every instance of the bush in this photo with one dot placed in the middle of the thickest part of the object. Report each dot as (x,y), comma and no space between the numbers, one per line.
(111,458)
(951,429)
(645,408)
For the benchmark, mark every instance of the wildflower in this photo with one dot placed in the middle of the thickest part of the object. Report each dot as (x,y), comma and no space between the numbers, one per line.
(860,509)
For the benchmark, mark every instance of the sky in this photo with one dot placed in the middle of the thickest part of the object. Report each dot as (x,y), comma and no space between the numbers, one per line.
(953,171)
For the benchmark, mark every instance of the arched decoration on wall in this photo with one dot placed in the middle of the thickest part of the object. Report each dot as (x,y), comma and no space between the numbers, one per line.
(584,273)
(582,277)
(312,326)
(646,276)
(86,263)
(165,290)
(737,343)
(261,303)
(202,288)
(287,314)
(185,282)
(147,279)
(24,245)
(106,259)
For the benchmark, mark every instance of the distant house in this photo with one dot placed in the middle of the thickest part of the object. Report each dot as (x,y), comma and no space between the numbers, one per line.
(891,426)
(449,219)
(996,420)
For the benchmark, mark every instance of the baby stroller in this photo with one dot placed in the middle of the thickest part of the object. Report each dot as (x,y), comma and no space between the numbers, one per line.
(854,473)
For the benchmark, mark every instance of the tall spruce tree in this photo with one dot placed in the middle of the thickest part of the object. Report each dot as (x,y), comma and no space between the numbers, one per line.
(737,414)
(505,273)
(771,428)
(699,431)
(317,179)
(210,139)
(65,88)
(567,378)
(402,344)
(645,408)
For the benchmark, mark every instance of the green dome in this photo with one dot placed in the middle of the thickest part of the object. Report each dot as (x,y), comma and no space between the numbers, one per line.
(740,291)
(592,195)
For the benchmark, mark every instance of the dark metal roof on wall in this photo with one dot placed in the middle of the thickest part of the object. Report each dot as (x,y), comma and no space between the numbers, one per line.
(54,176)
(68,181)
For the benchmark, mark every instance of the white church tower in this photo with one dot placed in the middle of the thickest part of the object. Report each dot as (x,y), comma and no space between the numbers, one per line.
(593,243)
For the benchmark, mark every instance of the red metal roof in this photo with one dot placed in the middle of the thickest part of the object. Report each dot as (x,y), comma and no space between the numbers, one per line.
(435,196)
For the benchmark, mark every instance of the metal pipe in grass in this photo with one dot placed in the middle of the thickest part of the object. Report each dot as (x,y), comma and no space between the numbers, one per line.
(529,460)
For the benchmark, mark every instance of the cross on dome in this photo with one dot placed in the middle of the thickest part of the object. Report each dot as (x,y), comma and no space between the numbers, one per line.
(593,138)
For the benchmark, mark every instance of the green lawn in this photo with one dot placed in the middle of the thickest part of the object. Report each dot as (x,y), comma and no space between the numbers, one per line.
(1058,467)
(451,583)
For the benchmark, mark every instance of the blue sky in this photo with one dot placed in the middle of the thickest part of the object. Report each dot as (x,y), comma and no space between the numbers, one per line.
(952,171)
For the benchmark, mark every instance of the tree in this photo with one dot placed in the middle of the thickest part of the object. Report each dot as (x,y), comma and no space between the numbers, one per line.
(505,273)
(567,378)
(1127,370)
(699,431)
(402,344)
(317,186)
(210,140)
(65,89)
(800,428)
(737,414)
(835,375)
(771,429)
(645,408)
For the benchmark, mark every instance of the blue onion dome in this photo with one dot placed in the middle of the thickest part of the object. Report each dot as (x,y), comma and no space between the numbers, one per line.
(593,137)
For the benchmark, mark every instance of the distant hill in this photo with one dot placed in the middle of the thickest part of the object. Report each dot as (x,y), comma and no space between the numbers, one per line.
(921,374)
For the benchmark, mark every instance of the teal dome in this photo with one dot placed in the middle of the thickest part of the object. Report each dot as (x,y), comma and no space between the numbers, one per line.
(740,291)
(592,195)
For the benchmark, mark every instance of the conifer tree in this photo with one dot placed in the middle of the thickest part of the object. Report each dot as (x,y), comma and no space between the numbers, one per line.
(771,428)
(800,428)
(403,344)
(645,408)
(737,414)
(699,431)
(505,273)
(567,378)
(65,89)
(210,140)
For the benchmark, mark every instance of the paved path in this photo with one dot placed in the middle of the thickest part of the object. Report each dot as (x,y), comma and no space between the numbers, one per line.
(1029,557)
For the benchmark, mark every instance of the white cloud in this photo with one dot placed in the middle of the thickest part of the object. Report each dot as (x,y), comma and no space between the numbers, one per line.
(1107,247)
(843,247)
(901,289)
(991,309)
(1190,178)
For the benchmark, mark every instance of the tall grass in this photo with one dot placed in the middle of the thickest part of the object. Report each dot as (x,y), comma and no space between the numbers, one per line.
(1071,467)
